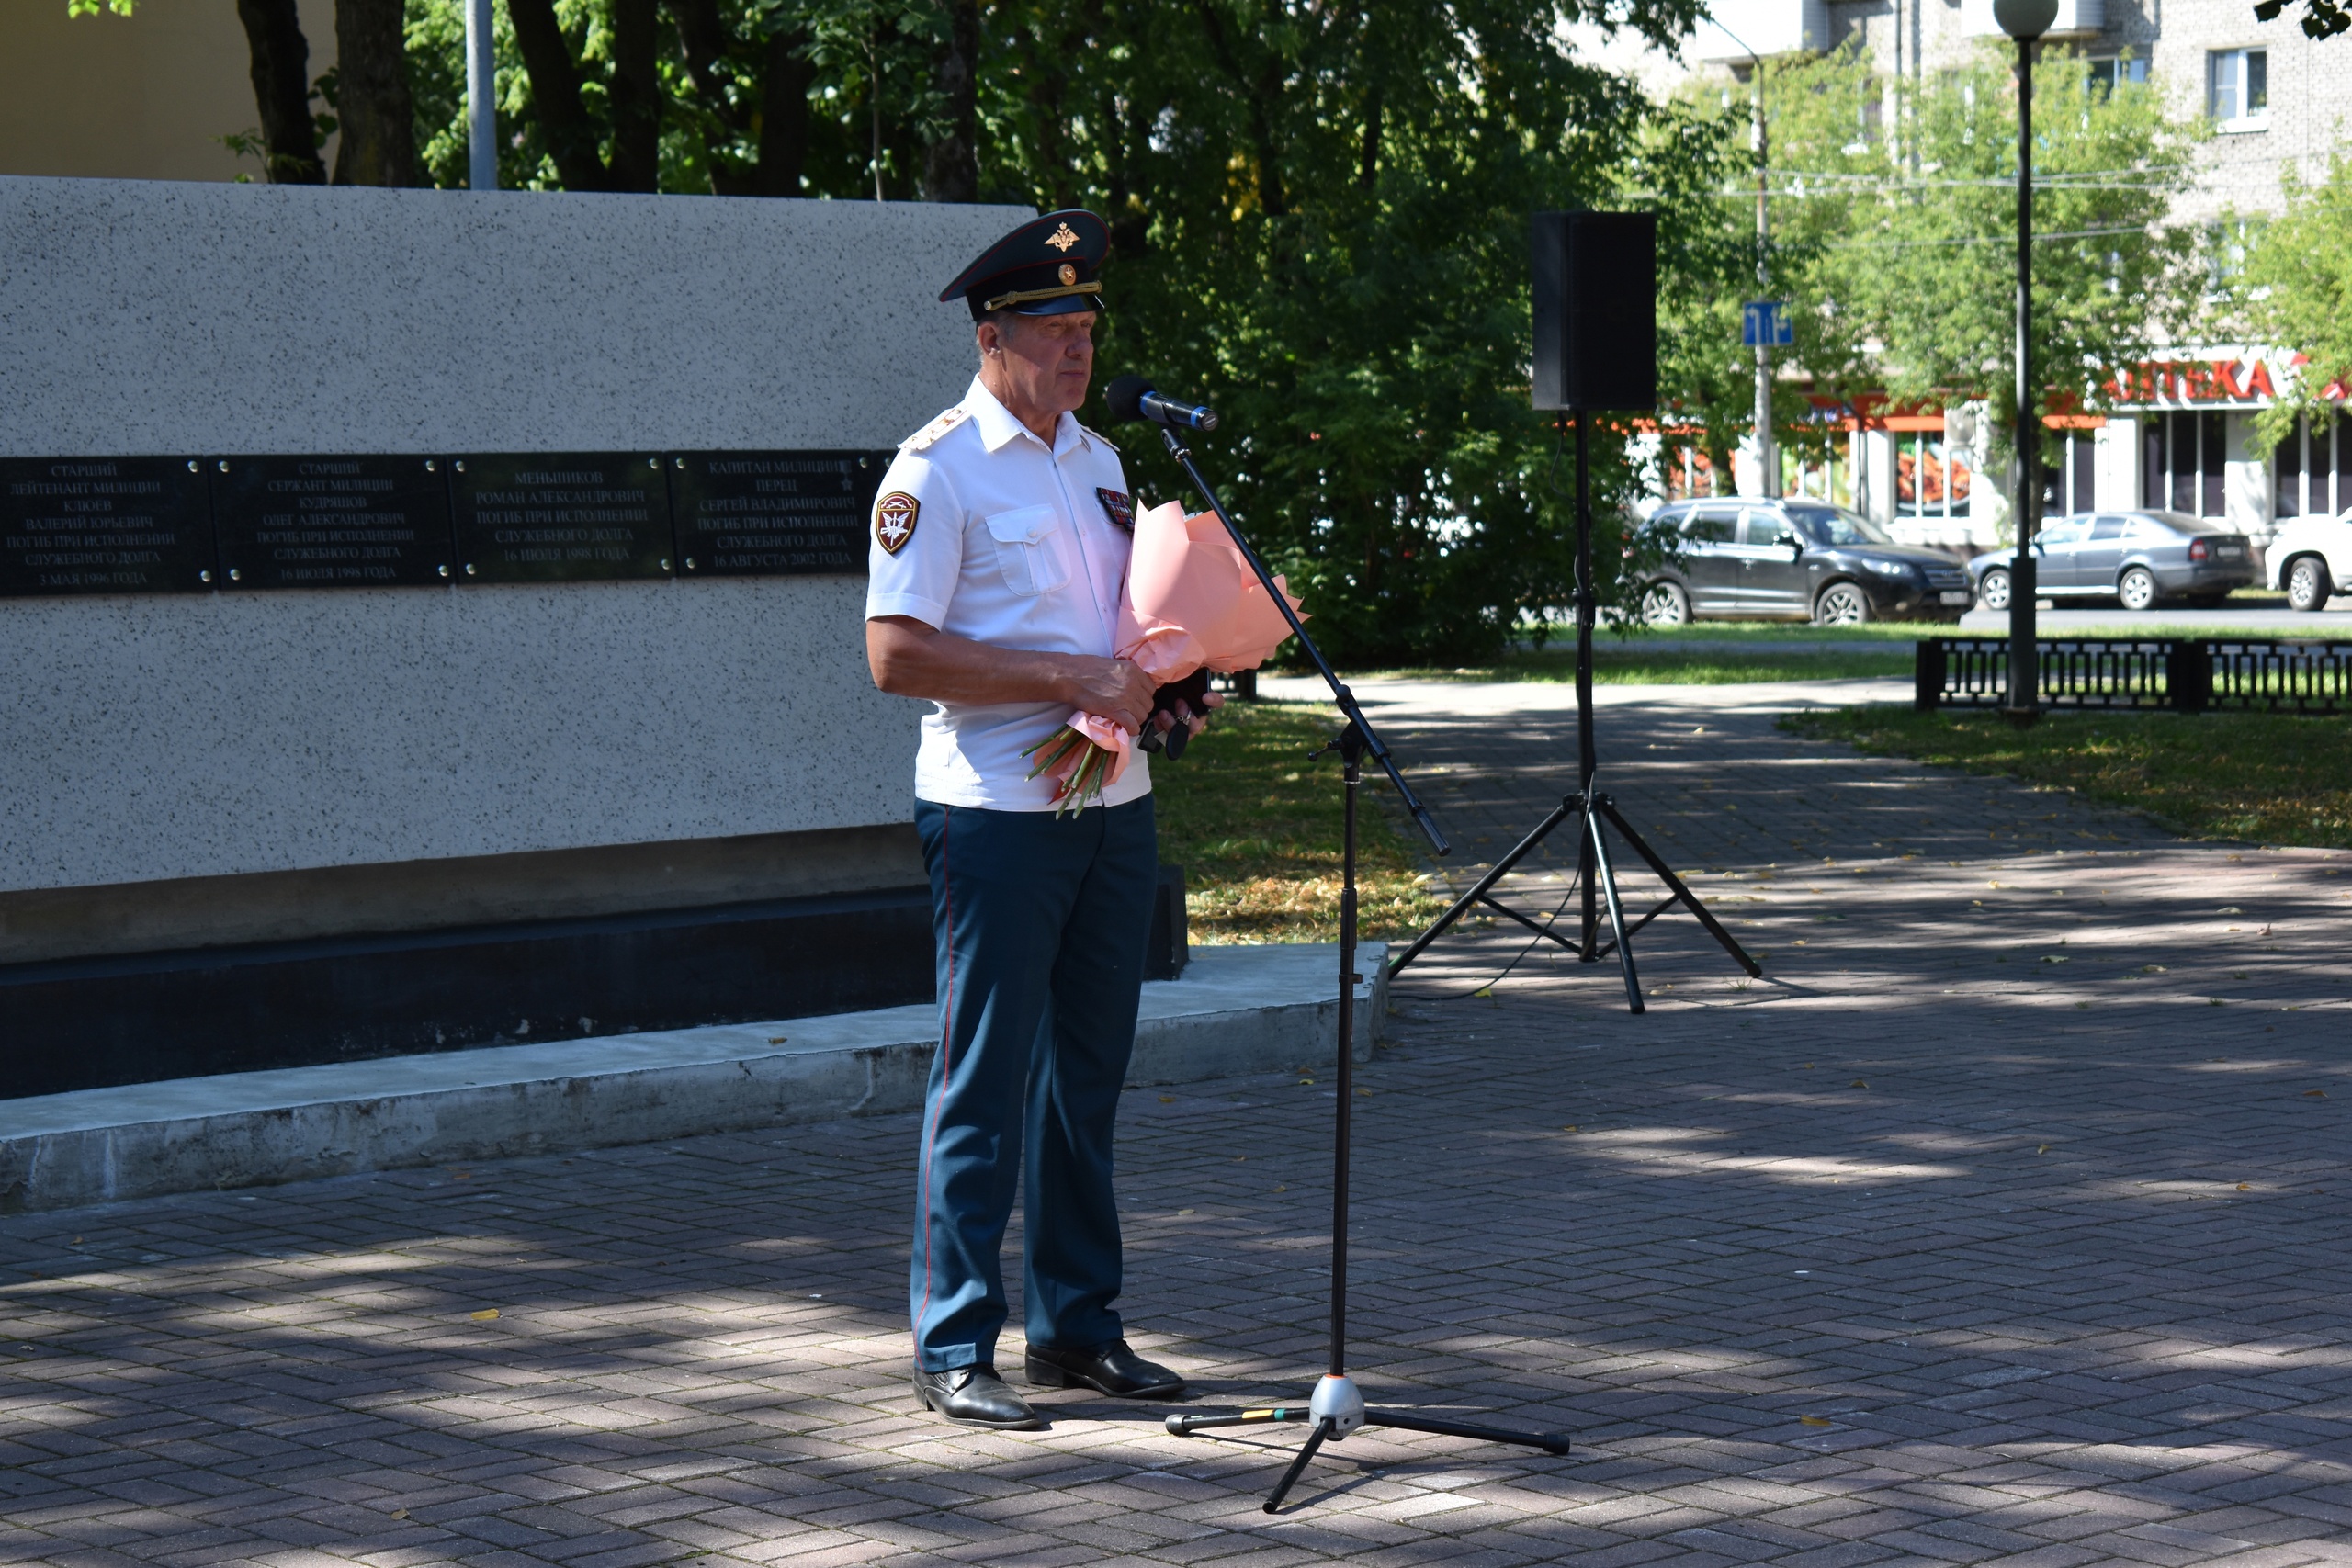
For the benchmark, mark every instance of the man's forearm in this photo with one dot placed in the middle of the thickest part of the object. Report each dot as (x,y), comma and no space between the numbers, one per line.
(910,659)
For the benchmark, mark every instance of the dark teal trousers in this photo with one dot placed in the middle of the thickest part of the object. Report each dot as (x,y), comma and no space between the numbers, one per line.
(1041,924)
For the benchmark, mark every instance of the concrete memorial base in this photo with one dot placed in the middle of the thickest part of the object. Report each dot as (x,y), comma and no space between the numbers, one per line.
(1237,1009)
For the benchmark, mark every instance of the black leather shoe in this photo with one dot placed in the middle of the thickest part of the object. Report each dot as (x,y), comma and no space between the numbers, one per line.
(976,1396)
(1110,1368)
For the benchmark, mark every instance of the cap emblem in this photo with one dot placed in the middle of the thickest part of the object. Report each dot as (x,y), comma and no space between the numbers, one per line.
(1068,274)
(1062,239)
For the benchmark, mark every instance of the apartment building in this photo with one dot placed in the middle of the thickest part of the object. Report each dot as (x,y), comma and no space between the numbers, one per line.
(2183,434)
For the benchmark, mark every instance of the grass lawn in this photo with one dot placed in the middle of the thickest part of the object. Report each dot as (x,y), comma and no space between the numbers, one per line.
(1764,632)
(1256,828)
(2263,778)
(1644,663)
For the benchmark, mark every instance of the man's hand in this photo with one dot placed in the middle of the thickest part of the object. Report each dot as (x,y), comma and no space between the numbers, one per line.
(1112,689)
(911,659)
(1193,722)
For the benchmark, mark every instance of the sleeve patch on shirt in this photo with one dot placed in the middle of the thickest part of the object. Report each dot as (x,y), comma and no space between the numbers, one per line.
(1121,509)
(922,440)
(894,520)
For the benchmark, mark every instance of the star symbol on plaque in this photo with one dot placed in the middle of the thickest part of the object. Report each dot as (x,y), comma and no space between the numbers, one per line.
(1062,239)
(894,520)
(1068,274)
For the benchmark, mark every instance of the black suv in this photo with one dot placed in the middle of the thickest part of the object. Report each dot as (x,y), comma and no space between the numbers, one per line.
(1793,561)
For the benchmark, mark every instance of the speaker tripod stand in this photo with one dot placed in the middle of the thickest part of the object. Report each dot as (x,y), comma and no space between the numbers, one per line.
(1595,875)
(1336,1407)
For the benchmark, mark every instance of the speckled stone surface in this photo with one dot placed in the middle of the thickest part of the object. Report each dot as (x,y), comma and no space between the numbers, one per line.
(168,316)
(161,736)
(206,736)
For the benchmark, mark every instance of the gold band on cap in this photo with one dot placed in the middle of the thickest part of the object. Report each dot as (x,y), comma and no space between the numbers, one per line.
(1027,296)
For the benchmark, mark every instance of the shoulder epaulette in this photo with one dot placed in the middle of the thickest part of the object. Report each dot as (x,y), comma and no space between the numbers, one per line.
(922,440)
(1098,436)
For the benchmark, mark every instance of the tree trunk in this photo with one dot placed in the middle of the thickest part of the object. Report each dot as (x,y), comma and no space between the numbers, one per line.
(951,165)
(1719,455)
(1048,131)
(1263,94)
(703,38)
(377,144)
(636,98)
(783,116)
(281,72)
(555,94)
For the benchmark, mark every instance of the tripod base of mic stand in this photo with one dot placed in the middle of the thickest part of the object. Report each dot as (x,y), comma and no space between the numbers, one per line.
(1339,1409)
(1598,877)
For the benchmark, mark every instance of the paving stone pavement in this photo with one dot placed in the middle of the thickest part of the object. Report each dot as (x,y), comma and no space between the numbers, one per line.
(1921,1251)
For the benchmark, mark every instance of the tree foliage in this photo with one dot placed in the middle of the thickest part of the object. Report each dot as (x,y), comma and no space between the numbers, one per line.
(1319,213)
(2296,289)
(1906,208)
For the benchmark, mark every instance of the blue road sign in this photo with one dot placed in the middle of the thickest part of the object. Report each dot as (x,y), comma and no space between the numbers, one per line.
(1765,324)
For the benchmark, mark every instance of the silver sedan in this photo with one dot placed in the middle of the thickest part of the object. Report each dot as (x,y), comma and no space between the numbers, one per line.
(2138,557)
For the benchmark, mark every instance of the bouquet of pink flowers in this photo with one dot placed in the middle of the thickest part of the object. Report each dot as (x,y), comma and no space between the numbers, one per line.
(1191,601)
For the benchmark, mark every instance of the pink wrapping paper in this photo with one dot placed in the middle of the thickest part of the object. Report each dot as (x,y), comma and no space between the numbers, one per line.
(1190,600)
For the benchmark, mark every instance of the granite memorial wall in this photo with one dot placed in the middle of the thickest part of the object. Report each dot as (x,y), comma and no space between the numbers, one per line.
(434,618)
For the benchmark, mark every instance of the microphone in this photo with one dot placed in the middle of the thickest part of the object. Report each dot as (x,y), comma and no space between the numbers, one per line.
(1132,397)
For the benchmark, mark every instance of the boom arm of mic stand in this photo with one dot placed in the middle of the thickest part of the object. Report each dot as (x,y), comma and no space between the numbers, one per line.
(1339,693)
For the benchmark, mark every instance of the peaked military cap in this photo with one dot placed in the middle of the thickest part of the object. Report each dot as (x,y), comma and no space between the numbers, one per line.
(1049,267)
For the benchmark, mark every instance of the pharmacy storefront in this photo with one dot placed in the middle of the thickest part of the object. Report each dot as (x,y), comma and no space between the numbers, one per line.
(2180,436)
(2184,439)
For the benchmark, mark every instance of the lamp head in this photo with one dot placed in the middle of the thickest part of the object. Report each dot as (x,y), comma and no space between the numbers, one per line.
(2025,20)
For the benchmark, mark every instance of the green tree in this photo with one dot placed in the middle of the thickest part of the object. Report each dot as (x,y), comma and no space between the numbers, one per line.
(1696,163)
(1910,219)
(1327,232)
(2296,291)
(1319,218)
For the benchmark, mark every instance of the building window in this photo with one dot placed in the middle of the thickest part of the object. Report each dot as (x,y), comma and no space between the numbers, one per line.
(2313,467)
(1688,474)
(2182,463)
(2106,71)
(2237,88)
(1931,478)
(1827,478)
(2071,484)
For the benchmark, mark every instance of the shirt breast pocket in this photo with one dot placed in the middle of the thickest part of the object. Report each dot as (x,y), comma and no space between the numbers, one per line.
(1033,550)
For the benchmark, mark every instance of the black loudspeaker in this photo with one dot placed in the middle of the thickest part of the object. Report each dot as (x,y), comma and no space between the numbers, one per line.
(1596,311)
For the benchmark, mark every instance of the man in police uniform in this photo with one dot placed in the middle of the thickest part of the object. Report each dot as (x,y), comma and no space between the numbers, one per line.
(1001,542)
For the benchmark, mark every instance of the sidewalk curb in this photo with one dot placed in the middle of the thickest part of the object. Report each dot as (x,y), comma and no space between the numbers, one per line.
(1236,1011)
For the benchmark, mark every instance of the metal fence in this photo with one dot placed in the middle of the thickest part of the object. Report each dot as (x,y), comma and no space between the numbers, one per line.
(2183,674)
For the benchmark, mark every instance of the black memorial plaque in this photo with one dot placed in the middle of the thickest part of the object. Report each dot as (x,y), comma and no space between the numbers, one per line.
(772,513)
(104,526)
(560,517)
(332,521)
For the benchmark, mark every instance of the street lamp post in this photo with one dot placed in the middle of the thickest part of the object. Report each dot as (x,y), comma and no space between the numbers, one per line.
(481,96)
(1767,453)
(1768,458)
(2026,22)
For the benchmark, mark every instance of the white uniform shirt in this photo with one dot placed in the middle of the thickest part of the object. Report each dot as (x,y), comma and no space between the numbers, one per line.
(984,532)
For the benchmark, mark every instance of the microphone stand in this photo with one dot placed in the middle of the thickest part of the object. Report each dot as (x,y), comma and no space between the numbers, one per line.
(1337,1407)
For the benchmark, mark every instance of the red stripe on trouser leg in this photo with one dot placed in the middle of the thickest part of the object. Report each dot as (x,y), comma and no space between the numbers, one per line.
(947,1048)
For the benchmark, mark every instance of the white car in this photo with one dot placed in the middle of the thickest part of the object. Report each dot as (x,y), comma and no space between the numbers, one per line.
(2310,560)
